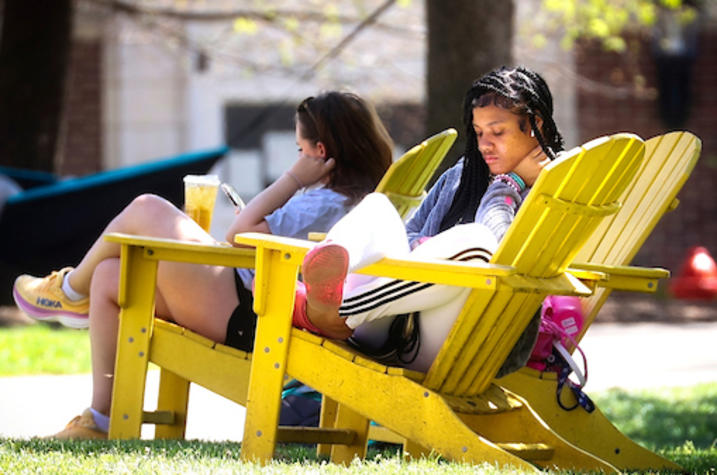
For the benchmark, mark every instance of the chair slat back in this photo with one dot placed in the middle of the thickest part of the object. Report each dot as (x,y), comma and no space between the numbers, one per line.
(405,181)
(669,160)
(568,201)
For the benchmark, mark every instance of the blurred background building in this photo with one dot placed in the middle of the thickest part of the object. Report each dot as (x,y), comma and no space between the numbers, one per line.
(155,79)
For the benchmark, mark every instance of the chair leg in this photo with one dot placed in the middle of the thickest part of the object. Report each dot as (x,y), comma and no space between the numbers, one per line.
(414,450)
(592,432)
(398,403)
(329,409)
(173,397)
(273,305)
(346,418)
(523,426)
(132,343)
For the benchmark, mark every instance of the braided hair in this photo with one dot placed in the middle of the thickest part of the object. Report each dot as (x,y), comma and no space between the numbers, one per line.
(518,90)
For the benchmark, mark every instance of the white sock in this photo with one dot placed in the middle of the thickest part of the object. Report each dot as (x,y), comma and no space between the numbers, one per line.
(71,293)
(101,421)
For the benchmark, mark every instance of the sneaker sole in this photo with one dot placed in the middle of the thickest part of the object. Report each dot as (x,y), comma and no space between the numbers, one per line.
(67,319)
(326,270)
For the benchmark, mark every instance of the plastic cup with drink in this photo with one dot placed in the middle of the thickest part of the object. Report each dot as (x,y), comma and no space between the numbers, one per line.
(200,194)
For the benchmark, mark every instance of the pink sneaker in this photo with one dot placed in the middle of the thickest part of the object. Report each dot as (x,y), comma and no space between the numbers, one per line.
(324,271)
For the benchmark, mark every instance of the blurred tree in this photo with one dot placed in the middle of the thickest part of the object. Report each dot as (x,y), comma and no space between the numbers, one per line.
(466,39)
(607,20)
(34,54)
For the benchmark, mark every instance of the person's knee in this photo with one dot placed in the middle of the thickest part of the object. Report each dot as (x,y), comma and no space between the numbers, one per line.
(149,204)
(105,279)
(144,213)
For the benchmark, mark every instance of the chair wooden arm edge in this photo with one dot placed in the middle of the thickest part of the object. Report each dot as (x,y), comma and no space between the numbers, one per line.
(160,249)
(164,243)
(629,278)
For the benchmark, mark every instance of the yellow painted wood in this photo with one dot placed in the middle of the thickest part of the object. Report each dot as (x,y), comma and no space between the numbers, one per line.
(494,351)
(424,416)
(224,372)
(493,400)
(312,435)
(338,347)
(669,160)
(522,426)
(532,452)
(327,420)
(358,425)
(173,398)
(271,345)
(592,432)
(568,207)
(136,311)
(405,181)
(416,376)
(462,330)
(569,201)
(540,243)
(228,350)
(635,279)
(157,417)
(416,451)
(383,434)
(182,251)
(558,222)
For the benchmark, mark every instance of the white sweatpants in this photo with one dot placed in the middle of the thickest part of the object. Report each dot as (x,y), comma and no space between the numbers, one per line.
(374,230)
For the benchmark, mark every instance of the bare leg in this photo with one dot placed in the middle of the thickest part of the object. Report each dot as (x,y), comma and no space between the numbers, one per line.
(199,297)
(147,215)
(103,332)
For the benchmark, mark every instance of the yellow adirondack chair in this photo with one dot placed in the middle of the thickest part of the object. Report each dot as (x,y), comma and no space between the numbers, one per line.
(669,160)
(404,183)
(452,407)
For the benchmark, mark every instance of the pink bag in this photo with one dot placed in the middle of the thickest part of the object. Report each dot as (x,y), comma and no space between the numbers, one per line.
(561,320)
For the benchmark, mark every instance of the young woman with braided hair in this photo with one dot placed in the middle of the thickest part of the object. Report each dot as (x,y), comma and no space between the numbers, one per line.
(508,115)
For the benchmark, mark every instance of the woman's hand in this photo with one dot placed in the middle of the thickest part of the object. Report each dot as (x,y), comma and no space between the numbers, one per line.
(538,156)
(310,170)
(305,172)
(530,167)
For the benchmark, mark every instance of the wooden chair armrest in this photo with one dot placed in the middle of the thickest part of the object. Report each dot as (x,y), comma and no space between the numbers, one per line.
(316,236)
(183,251)
(636,279)
(437,271)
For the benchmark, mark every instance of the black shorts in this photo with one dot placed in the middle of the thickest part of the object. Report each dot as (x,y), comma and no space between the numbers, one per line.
(242,324)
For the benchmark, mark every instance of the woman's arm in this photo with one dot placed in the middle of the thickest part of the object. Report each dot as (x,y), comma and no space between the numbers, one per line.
(415,228)
(505,194)
(498,207)
(305,172)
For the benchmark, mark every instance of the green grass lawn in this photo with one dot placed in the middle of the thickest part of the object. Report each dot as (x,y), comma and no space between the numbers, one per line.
(679,423)
(172,456)
(43,349)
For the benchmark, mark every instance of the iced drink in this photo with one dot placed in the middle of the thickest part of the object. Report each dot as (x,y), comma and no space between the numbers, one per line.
(200,193)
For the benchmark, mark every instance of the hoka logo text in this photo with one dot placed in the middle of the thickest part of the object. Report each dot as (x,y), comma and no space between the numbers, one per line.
(48,303)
